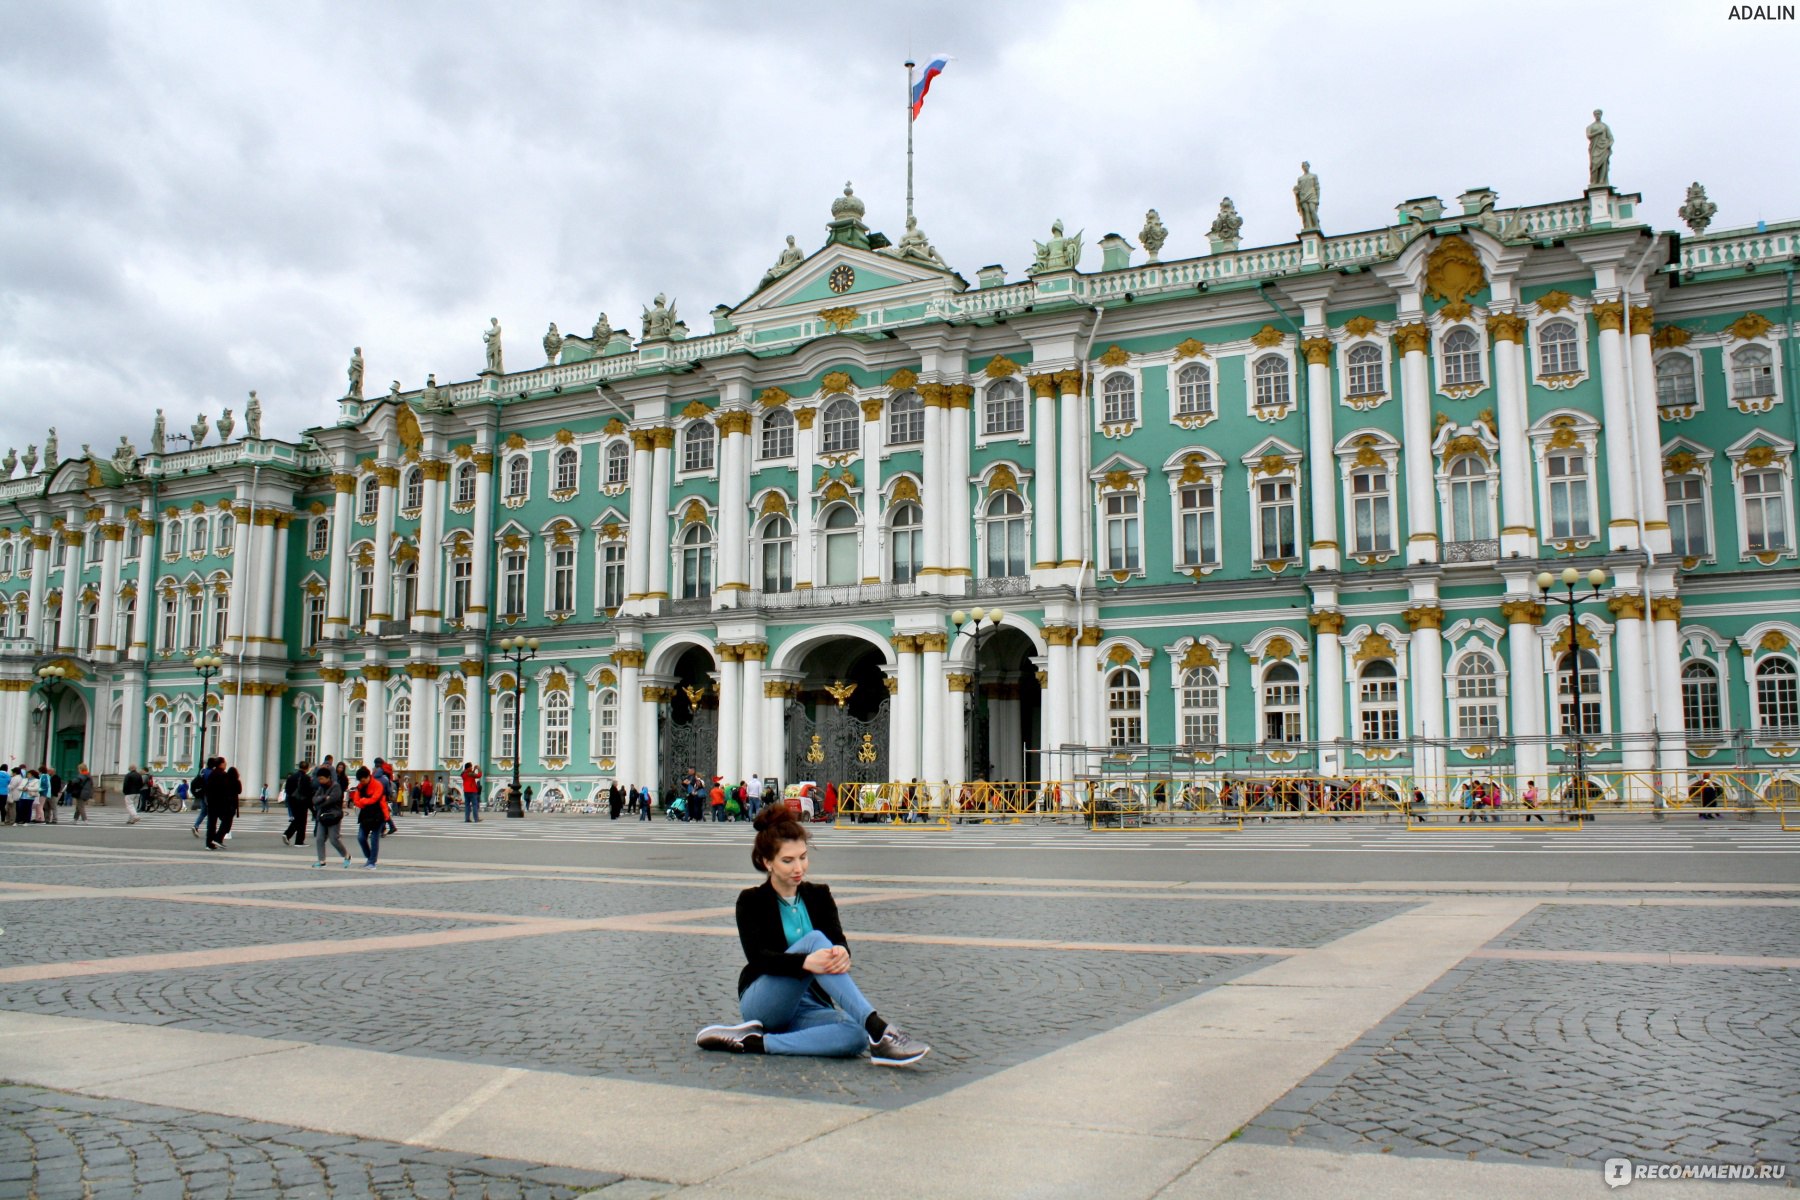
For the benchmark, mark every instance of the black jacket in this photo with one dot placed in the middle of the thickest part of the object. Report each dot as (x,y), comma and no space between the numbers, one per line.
(298,788)
(328,803)
(765,944)
(134,783)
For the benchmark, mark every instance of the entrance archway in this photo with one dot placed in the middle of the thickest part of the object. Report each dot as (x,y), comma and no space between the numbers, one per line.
(1005,710)
(62,744)
(690,734)
(836,728)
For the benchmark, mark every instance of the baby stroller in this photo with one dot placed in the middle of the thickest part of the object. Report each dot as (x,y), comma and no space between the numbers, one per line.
(676,809)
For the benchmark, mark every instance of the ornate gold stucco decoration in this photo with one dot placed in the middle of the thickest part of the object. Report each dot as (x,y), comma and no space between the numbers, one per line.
(1193,469)
(773,398)
(1610,315)
(839,319)
(1190,348)
(1466,444)
(695,410)
(1121,656)
(1000,367)
(1750,325)
(1423,616)
(1453,272)
(694,513)
(1331,623)
(1271,464)
(1564,437)
(1115,356)
(1584,637)
(905,488)
(1415,337)
(1626,608)
(1669,337)
(1360,326)
(1002,480)
(1375,646)
(902,379)
(1554,302)
(1317,351)
(1681,462)
(1506,327)
(1757,457)
(834,384)
(406,428)
(1118,481)
(1266,337)
(774,502)
(1278,649)
(835,491)
(1775,642)
(1198,655)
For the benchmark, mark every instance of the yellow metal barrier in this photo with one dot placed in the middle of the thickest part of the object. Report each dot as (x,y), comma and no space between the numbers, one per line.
(897,805)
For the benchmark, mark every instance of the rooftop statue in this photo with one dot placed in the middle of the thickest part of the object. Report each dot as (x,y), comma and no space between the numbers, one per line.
(50,459)
(1698,211)
(1228,224)
(10,463)
(1154,234)
(848,207)
(915,245)
(124,459)
(30,460)
(1306,199)
(553,340)
(1058,254)
(602,331)
(198,428)
(431,397)
(789,258)
(1600,145)
(226,425)
(253,418)
(158,433)
(491,338)
(659,318)
(356,380)
(394,391)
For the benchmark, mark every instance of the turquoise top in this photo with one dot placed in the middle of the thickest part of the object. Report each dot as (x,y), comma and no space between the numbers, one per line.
(796,922)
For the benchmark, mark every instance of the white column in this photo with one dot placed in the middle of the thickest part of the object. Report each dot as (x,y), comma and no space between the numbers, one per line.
(66,638)
(1044,479)
(1328,677)
(239,623)
(261,588)
(1415,415)
(331,713)
(422,756)
(872,430)
(629,660)
(956,725)
(649,753)
(1632,656)
(936,397)
(477,700)
(277,590)
(774,729)
(146,597)
(934,723)
(1653,501)
(429,609)
(1426,620)
(110,550)
(1621,473)
(734,501)
(637,544)
(40,584)
(1525,675)
(1665,641)
(272,772)
(1507,331)
(1088,687)
(805,515)
(131,729)
(337,618)
(659,512)
(247,735)
(754,704)
(1321,463)
(481,560)
(956,479)
(382,605)
(903,710)
(731,714)
(1074,437)
(375,714)
(1060,699)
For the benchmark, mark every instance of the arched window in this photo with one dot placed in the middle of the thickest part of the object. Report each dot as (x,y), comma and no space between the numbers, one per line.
(840,427)
(1281,704)
(1372,511)
(90,625)
(159,737)
(506,727)
(406,589)
(777,554)
(307,736)
(412,490)
(7,556)
(1675,384)
(456,729)
(198,534)
(465,483)
(359,729)
(173,533)
(1271,378)
(1118,397)
(1557,350)
(905,419)
(1124,708)
(696,562)
(841,565)
(518,476)
(184,738)
(778,434)
(227,532)
(1002,409)
(400,729)
(906,542)
(1471,518)
(1475,698)
(618,464)
(1777,696)
(1366,374)
(1461,359)
(371,496)
(318,539)
(608,712)
(556,725)
(697,443)
(1701,713)
(568,469)
(211,744)
(1004,534)
(1752,373)
(364,594)
(1194,390)
(1199,707)
(1587,667)
(1378,694)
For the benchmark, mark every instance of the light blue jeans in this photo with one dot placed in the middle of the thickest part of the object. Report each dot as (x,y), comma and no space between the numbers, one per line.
(794,1022)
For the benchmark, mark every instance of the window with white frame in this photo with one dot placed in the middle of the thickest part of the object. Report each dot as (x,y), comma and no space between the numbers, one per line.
(1701,713)
(1118,396)
(1559,352)
(1689,530)
(556,725)
(905,419)
(308,736)
(227,533)
(1269,377)
(562,576)
(1777,696)
(8,554)
(777,554)
(159,737)
(696,562)
(221,616)
(1471,513)
(184,736)
(506,727)
(456,728)
(462,582)
(1003,533)
(1378,701)
(1281,704)
(840,427)
(1124,707)
(906,542)
(199,534)
(312,621)
(1460,357)
(173,532)
(1123,531)
(59,551)
(1765,509)
(134,539)
(612,575)
(400,728)
(359,728)
(1571,505)
(618,464)
(607,706)
(465,484)
(406,589)
(1677,385)
(778,434)
(512,583)
(209,724)
(124,618)
(1199,708)
(1372,511)
(567,471)
(698,442)
(412,492)
(90,626)
(319,535)
(364,595)
(1752,373)
(518,477)
(1197,520)
(170,623)
(1586,668)
(1365,371)
(1194,391)
(1003,408)
(196,620)
(1277,520)
(1475,697)
(841,562)
(371,496)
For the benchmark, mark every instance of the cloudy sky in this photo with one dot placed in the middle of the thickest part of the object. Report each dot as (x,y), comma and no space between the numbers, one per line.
(197,199)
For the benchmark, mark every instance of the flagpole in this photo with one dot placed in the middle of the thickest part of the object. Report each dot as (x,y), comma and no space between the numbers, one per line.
(909,150)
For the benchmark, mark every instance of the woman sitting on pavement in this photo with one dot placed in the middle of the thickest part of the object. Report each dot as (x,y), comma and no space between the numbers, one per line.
(795,991)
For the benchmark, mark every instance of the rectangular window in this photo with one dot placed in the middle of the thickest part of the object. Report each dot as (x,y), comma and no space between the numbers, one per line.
(1006,548)
(1276,521)
(462,578)
(315,620)
(1765,511)
(1380,710)
(512,584)
(1373,512)
(506,729)
(1687,515)
(1199,526)
(170,623)
(1122,532)
(562,579)
(456,732)
(1570,516)
(365,594)
(612,575)
(778,565)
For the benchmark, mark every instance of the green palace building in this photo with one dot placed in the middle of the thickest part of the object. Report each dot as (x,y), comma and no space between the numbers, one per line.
(1259,511)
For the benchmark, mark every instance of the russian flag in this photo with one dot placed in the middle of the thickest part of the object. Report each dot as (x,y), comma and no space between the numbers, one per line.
(922,81)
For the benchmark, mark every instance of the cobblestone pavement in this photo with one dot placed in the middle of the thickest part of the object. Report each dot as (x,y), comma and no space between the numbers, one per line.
(209,871)
(54,1145)
(1566,1064)
(512,896)
(1771,931)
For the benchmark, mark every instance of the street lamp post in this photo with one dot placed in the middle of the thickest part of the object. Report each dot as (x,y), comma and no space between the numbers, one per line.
(52,677)
(208,665)
(518,651)
(978,625)
(1596,579)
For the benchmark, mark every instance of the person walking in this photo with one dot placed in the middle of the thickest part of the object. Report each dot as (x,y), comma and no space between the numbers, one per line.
(615,800)
(223,791)
(1529,798)
(83,789)
(424,792)
(370,801)
(6,801)
(753,795)
(528,797)
(795,992)
(296,792)
(384,775)
(49,795)
(644,804)
(715,800)
(197,793)
(132,788)
(328,815)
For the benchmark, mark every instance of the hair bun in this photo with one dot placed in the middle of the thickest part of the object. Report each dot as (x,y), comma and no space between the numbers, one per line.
(772,814)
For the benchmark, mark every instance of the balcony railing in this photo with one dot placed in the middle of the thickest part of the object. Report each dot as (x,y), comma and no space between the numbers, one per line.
(834,597)
(1484,550)
(1003,585)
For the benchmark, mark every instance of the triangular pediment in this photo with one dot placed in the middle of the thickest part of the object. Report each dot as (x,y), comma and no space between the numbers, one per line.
(840,275)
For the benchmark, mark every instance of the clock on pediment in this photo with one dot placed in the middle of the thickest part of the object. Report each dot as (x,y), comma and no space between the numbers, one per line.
(842,278)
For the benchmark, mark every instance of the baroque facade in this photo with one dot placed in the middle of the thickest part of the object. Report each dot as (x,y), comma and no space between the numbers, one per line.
(1268,510)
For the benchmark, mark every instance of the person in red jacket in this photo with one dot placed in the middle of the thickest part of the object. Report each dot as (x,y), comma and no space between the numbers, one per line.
(369,798)
(471,788)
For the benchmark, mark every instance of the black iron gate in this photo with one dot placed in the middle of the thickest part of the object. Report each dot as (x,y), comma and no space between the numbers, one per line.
(690,739)
(832,745)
